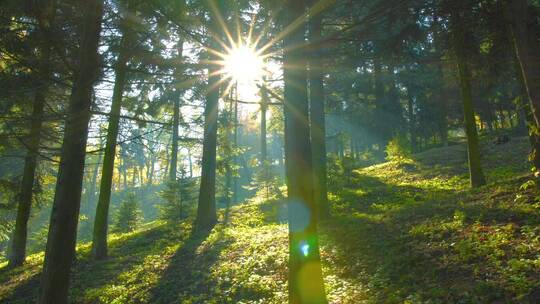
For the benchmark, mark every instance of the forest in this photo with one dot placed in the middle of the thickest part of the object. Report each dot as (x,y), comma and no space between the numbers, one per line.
(269,151)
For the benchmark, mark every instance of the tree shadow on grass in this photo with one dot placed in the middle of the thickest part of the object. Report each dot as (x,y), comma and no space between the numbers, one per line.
(124,253)
(188,272)
(25,290)
(374,242)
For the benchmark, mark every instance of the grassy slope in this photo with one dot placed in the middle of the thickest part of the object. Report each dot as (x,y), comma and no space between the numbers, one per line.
(406,232)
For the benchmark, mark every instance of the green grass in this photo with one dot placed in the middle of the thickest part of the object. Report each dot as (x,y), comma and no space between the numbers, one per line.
(401,232)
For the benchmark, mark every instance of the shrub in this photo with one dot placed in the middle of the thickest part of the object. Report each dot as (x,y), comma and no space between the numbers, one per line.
(398,148)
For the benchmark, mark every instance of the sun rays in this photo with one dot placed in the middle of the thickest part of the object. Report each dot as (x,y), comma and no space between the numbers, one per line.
(243,64)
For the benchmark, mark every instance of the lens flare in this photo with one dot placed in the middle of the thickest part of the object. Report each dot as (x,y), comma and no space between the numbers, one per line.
(243,64)
(305,249)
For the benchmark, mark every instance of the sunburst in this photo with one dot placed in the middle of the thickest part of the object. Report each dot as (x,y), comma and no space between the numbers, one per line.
(243,64)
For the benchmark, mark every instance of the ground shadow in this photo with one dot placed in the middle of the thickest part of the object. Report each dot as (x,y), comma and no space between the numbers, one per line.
(124,254)
(371,239)
(188,272)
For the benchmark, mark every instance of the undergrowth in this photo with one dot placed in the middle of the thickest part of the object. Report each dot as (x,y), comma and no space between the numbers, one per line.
(407,231)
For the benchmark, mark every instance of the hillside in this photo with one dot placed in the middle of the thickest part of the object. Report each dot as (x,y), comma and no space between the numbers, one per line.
(401,232)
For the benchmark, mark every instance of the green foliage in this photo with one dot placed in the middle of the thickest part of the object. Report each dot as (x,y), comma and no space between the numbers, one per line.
(402,232)
(398,148)
(129,215)
(179,197)
(266,182)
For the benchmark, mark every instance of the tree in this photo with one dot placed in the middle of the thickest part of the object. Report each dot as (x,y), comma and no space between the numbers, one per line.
(129,215)
(206,208)
(527,51)
(317,113)
(45,16)
(459,36)
(99,241)
(305,274)
(61,239)
(176,119)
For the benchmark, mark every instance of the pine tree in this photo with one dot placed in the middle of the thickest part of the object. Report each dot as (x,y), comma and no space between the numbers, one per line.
(61,241)
(129,215)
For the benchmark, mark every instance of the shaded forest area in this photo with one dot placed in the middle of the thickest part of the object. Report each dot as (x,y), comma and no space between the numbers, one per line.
(219,151)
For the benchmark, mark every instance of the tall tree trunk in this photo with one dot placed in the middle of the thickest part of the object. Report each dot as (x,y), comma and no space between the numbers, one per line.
(18,247)
(412,123)
(134,176)
(227,147)
(264,109)
(124,173)
(305,274)
(173,168)
(523,106)
(317,118)
(60,250)
(235,145)
(151,169)
(190,160)
(17,253)
(477,178)
(206,208)
(99,241)
(174,150)
(528,53)
(442,116)
(93,183)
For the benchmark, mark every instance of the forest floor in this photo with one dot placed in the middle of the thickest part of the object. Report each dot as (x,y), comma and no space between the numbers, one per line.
(401,232)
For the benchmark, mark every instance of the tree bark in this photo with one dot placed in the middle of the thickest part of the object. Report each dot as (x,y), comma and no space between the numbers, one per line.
(477,178)
(523,106)
(412,123)
(305,274)
(206,208)
(174,150)
(173,168)
(317,116)
(60,250)
(99,241)
(528,53)
(17,253)
(264,108)
(18,248)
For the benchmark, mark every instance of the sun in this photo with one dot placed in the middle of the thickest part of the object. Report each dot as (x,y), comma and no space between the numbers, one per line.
(243,64)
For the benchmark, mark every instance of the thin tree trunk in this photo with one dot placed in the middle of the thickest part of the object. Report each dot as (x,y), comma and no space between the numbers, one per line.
(173,168)
(443,108)
(264,108)
(134,176)
(151,170)
(412,123)
(124,174)
(190,160)
(60,251)
(99,241)
(93,183)
(305,274)
(18,248)
(235,144)
(174,150)
(477,178)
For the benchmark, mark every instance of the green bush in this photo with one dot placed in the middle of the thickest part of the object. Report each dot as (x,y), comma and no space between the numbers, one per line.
(398,148)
